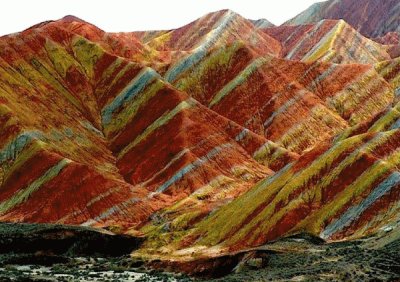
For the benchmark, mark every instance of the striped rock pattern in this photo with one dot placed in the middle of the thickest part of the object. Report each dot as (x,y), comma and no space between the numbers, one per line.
(329,41)
(213,137)
(100,135)
(275,97)
(390,38)
(372,18)
(262,23)
(217,28)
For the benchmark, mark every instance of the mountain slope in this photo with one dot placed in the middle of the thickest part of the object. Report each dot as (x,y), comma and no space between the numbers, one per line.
(105,145)
(206,140)
(262,23)
(372,18)
(263,93)
(343,190)
(329,41)
(214,29)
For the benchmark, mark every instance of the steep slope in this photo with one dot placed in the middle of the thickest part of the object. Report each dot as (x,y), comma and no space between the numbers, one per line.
(160,49)
(110,145)
(213,29)
(345,187)
(263,93)
(372,18)
(262,23)
(341,190)
(390,70)
(120,44)
(212,138)
(190,44)
(328,41)
(390,38)
(52,145)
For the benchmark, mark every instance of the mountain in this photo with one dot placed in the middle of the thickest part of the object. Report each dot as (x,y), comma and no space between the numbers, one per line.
(207,141)
(213,29)
(390,38)
(329,41)
(372,18)
(262,23)
(90,144)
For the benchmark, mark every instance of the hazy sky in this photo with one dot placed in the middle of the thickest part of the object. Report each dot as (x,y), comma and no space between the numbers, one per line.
(125,15)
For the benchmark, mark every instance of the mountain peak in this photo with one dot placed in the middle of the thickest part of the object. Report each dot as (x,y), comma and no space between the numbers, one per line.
(72,18)
(374,19)
(262,23)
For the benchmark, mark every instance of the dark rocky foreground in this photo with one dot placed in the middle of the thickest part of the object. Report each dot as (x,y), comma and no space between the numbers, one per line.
(45,252)
(298,259)
(57,240)
(32,252)
(305,258)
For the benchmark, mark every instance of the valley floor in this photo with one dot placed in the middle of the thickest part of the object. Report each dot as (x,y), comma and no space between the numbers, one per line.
(34,252)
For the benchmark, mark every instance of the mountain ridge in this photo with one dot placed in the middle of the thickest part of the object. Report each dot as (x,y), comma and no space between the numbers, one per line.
(206,140)
(372,18)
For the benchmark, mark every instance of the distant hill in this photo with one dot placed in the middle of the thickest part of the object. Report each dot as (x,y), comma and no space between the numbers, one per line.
(262,23)
(372,18)
(332,41)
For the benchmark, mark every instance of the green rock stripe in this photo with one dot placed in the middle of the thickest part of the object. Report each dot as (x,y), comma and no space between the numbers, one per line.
(238,80)
(23,194)
(164,119)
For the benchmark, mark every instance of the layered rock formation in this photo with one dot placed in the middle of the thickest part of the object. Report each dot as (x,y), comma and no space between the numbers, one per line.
(211,138)
(372,18)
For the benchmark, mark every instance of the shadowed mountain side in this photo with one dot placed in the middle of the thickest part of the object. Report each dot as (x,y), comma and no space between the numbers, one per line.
(329,41)
(372,18)
(262,23)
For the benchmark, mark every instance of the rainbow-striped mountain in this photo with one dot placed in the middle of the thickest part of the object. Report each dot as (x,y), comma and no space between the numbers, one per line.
(211,139)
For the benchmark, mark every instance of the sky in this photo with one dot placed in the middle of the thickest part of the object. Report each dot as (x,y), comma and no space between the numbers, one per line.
(134,15)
